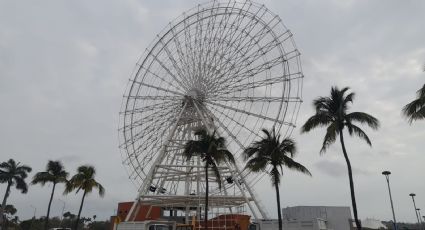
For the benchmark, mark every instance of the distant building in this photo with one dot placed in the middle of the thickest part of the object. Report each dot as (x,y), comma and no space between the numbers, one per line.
(317,218)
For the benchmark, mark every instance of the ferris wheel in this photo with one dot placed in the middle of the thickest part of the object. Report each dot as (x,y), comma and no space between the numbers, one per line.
(227,66)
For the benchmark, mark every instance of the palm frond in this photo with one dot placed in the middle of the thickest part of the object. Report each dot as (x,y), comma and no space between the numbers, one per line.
(321,104)
(101,189)
(349,98)
(360,133)
(293,165)
(363,118)
(317,120)
(415,110)
(193,148)
(330,137)
(257,164)
(288,146)
(21,184)
(42,178)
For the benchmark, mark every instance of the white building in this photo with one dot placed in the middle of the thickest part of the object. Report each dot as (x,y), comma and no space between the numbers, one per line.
(316,218)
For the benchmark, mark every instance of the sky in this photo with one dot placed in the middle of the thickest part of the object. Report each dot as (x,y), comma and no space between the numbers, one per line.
(64,66)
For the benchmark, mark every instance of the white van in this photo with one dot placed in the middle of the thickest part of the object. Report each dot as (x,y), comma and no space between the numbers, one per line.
(147,225)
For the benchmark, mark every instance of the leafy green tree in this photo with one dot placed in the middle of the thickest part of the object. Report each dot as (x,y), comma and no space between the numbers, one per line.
(84,180)
(415,110)
(270,154)
(55,173)
(212,150)
(8,213)
(332,112)
(12,173)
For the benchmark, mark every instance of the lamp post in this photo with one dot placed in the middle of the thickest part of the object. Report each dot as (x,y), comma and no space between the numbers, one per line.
(414,205)
(387,177)
(420,220)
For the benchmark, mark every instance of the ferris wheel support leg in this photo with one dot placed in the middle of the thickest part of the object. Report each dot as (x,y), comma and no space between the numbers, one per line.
(251,193)
(148,213)
(146,183)
(254,213)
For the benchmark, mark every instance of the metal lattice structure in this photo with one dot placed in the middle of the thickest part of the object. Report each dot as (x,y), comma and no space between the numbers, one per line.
(230,66)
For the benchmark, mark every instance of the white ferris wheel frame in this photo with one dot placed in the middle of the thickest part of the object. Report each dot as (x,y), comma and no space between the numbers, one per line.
(222,72)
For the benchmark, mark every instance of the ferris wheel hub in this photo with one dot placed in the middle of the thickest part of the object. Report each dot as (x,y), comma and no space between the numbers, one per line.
(194,95)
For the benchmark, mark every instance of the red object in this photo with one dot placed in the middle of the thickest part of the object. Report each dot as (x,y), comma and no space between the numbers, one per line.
(124,209)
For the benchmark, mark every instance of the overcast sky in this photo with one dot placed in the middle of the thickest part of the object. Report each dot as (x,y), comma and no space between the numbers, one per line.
(64,66)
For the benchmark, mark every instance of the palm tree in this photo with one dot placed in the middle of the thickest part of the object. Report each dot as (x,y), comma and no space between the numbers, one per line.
(273,153)
(55,173)
(12,173)
(84,180)
(212,150)
(415,110)
(333,112)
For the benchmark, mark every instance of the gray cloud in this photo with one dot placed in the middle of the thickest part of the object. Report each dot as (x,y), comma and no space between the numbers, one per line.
(338,169)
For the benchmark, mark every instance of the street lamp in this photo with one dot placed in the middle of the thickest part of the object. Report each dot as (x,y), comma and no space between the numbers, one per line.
(419,214)
(414,205)
(387,176)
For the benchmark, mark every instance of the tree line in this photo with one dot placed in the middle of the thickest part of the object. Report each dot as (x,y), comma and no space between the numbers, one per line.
(14,174)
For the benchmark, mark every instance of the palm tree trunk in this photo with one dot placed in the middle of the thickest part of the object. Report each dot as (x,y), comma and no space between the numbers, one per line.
(279,214)
(46,222)
(206,197)
(79,211)
(350,176)
(3,204)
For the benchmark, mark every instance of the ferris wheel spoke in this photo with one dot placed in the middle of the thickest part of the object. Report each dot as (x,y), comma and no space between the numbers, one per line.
(230,32)
(173,75)
(198,40)
(159,88)
(234,121)
(250,113)
(251,43)
(175,65)
(236,74)
(257,69)
(188,44)
(240,87)
(157,76)
(223,31)
(256,99)
(209,43)
(148,108)
(155,98)
(182,56)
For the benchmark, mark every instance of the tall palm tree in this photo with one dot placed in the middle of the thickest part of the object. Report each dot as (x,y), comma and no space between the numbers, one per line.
(332,112)
(84,180)
(55,173)
(12,173)
(272,153)
(212,150)
(415,110)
